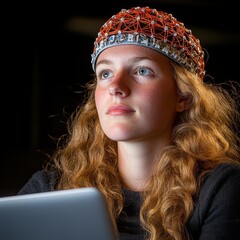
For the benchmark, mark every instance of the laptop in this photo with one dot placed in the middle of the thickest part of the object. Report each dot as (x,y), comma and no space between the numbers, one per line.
(76,214)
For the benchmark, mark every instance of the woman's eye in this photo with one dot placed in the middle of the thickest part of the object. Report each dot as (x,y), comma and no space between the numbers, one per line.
(144,71)
(104,74)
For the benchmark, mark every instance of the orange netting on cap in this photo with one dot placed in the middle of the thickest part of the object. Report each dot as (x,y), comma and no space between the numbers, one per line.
(154,29)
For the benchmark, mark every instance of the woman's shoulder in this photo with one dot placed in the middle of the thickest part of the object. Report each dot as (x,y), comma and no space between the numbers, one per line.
(40,181)
(217,205)
(221,186)
(224,177)
(228,167)
(223,173)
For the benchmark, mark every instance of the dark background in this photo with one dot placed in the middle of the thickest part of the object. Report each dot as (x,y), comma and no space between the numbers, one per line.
(45,55)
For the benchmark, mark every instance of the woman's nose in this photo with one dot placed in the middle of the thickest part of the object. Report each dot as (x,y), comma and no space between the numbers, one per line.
(116,91)
(119,87)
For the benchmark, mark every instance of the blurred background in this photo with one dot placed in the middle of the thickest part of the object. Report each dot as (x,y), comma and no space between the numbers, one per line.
(46,50)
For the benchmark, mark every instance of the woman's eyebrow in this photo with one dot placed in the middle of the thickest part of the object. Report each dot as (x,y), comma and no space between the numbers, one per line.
(104,61)
(133,59)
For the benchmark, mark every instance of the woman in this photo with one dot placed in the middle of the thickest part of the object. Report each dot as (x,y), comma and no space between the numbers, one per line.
(152,136)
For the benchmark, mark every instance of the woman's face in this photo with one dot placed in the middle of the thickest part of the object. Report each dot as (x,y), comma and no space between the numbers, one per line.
(136,95)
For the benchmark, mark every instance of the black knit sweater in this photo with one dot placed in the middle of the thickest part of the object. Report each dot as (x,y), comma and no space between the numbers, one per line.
(216,215)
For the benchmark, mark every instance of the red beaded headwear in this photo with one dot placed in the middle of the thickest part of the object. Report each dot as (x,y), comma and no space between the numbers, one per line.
(153,29)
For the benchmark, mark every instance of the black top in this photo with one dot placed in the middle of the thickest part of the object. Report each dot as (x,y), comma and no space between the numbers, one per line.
(216,215)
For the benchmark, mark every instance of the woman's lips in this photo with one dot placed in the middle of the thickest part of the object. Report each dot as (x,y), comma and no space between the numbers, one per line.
(117,110)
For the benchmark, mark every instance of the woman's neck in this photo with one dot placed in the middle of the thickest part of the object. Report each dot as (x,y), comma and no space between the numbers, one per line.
(137,163)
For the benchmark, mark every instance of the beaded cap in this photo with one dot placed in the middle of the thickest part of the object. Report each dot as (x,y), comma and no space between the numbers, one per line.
(154,29)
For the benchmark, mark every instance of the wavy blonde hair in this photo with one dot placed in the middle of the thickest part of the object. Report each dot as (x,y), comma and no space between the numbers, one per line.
(203,137)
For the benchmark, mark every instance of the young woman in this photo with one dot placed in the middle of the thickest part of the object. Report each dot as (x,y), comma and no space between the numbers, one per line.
(152,136)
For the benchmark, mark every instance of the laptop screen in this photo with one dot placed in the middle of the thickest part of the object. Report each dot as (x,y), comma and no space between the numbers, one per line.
(62,215)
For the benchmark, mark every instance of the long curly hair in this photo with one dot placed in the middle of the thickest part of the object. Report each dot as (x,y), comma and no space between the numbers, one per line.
(203,136)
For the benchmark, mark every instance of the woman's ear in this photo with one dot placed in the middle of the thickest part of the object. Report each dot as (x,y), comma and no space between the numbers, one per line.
(184,103)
